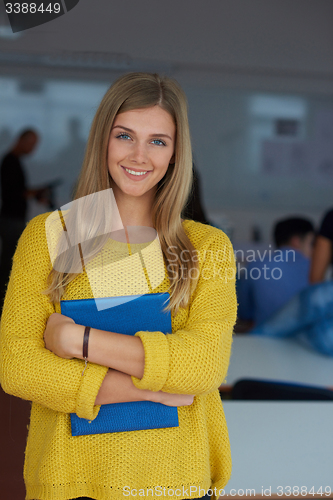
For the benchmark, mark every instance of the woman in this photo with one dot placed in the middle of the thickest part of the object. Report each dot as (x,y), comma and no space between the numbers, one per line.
(139,146)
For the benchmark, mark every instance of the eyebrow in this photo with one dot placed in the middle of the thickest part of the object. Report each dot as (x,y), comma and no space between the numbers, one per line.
(132,131)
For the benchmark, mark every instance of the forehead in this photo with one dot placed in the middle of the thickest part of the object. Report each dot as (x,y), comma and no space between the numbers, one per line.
(29,138)
(146,119)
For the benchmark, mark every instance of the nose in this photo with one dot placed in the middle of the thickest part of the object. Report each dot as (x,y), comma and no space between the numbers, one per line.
(139,153)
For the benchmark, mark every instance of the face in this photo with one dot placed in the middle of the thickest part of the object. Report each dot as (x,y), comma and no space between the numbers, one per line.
(29,143)
(141,147)
(303,244)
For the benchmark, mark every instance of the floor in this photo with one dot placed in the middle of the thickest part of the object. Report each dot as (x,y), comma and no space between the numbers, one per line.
(14,420)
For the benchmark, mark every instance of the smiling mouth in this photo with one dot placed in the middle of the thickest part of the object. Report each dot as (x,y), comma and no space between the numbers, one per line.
(133,172)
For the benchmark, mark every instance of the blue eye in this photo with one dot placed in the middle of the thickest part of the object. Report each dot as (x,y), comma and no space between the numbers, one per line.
(158,142)
(123,135)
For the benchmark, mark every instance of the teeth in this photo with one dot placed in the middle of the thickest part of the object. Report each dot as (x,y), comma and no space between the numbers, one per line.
(135,173)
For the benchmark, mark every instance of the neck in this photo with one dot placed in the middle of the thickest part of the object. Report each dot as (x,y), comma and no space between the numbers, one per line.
(16,151)
(135,211)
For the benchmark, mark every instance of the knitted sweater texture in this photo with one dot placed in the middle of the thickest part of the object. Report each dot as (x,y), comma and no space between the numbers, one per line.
(192,360)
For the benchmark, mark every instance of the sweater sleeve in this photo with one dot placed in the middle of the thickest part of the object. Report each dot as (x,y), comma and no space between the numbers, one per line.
(27,369)
(194,360)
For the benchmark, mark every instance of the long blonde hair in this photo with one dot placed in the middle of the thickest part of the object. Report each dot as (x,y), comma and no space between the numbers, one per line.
(137,91)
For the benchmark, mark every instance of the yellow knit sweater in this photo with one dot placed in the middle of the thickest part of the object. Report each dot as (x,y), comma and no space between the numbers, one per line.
(192,360)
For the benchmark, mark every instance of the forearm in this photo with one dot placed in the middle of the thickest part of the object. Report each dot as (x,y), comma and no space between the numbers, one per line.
(123,353)
(117,387)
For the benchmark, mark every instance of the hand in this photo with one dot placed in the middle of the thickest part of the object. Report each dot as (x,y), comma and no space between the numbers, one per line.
(170,399)
(63,337)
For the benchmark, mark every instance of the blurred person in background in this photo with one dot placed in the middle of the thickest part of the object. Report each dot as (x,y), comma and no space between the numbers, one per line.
(307,317)
(15,195)
(268,284)
(194,209)
(322,257)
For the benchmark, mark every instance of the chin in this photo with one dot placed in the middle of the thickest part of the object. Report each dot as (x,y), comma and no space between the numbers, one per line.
(134,193)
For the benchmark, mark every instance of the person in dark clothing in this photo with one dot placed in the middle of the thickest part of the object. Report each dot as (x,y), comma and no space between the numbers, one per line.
(322,256)
(14,194)
(193,209)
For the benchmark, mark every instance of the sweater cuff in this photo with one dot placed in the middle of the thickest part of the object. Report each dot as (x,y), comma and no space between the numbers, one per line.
(157,360)
(90,383)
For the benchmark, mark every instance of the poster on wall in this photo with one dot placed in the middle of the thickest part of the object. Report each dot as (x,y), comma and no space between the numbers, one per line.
(308,159)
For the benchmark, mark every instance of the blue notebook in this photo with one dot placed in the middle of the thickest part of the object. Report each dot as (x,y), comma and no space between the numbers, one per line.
(118,314)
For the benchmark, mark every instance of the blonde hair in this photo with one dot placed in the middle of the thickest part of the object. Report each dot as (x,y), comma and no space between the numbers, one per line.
(137,91)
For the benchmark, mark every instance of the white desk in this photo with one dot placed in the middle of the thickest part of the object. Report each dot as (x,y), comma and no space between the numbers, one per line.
(278,359)
(280,444)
